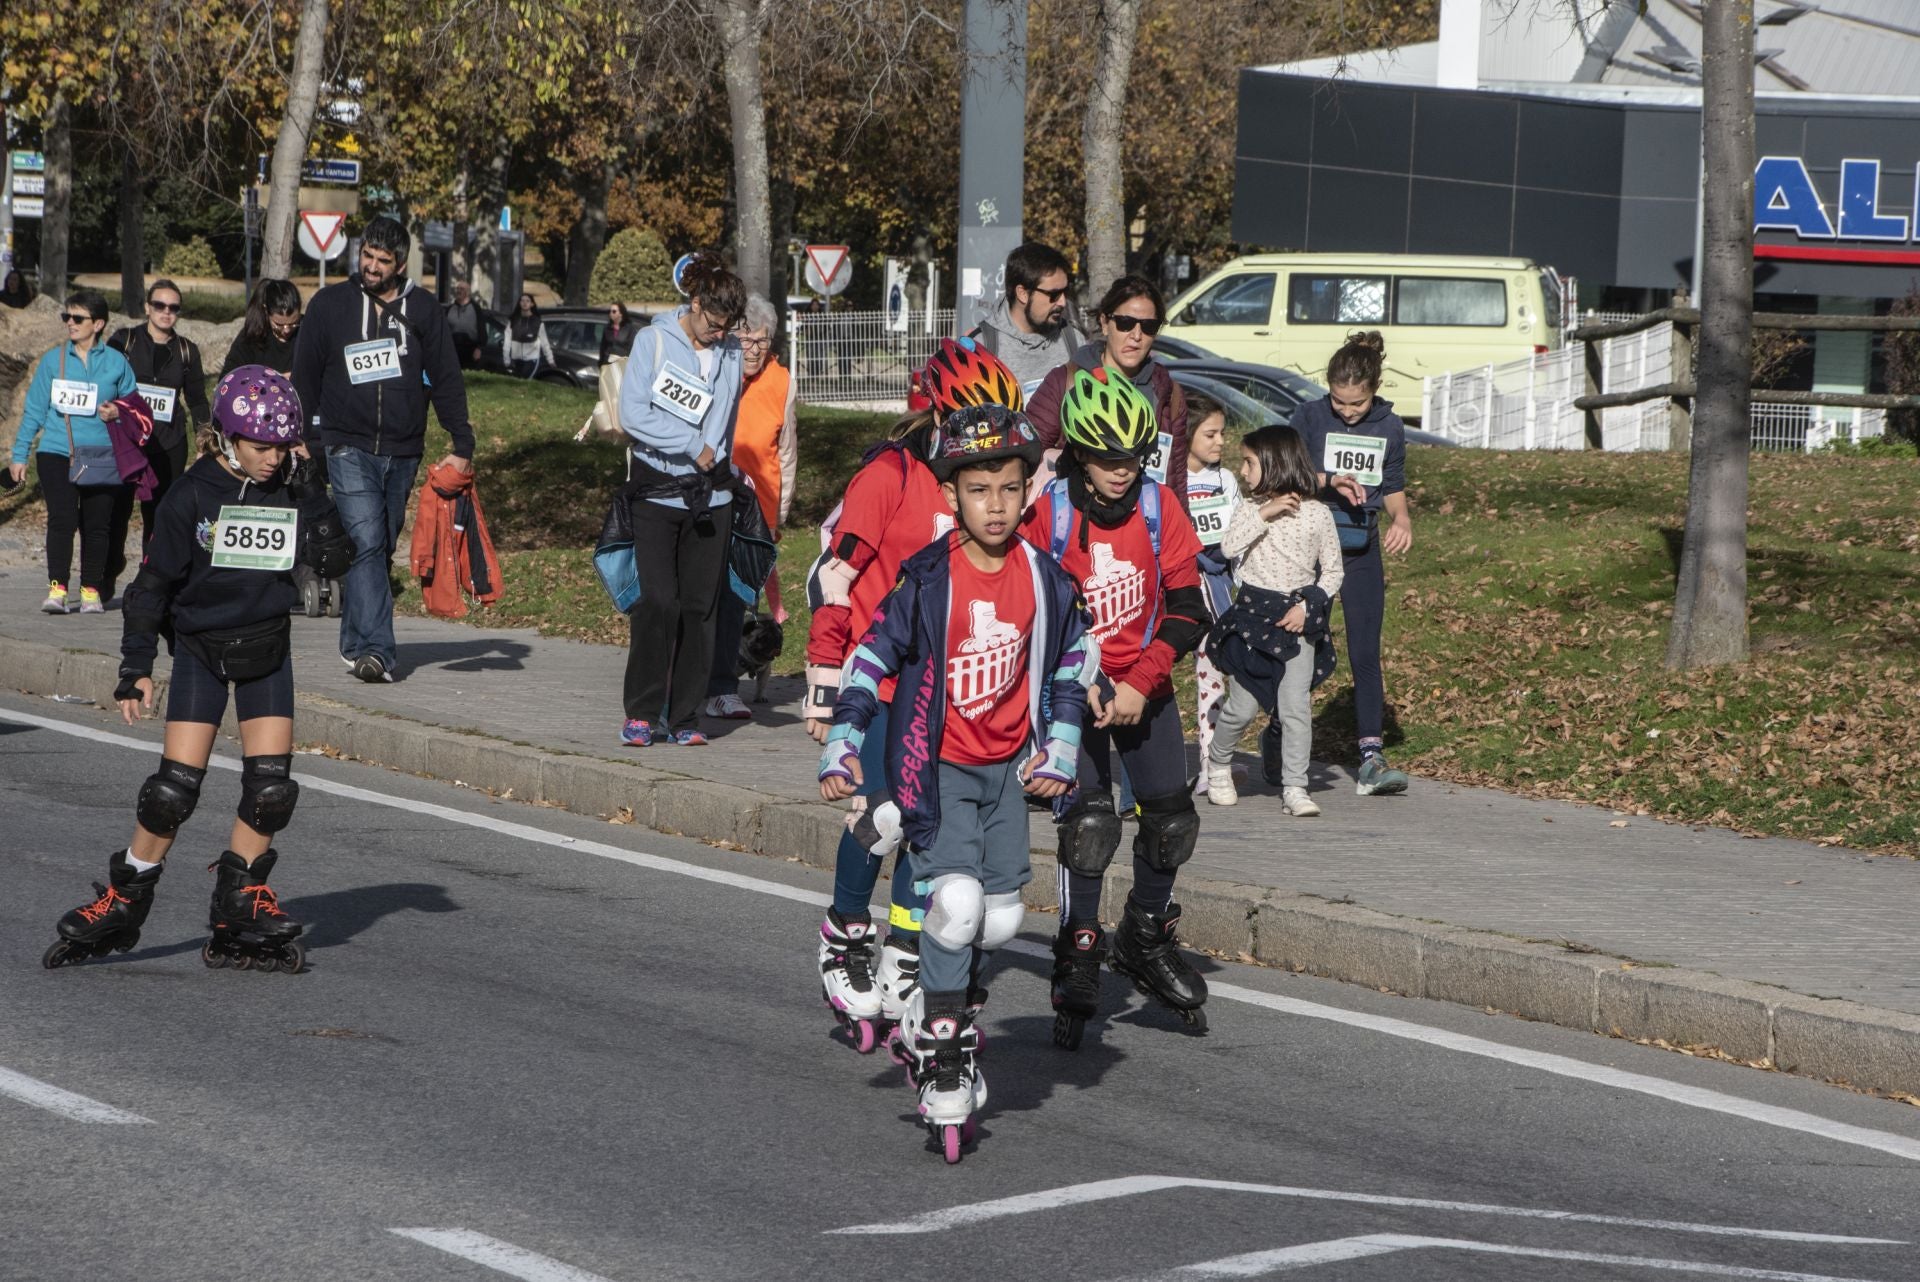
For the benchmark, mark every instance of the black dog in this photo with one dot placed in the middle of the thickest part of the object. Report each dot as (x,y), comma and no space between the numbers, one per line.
(761,640)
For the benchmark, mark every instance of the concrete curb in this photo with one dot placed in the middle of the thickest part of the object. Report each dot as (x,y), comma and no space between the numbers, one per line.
(1835,1040)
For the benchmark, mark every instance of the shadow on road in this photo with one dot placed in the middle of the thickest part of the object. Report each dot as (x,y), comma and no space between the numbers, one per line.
(339,915)
(486,654)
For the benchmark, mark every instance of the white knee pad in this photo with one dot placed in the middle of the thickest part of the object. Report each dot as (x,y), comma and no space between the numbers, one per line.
(954,909)
(1004,913)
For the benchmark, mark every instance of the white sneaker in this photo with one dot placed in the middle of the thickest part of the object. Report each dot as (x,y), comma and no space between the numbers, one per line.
(1297,803)
(1220,789)
(728,707)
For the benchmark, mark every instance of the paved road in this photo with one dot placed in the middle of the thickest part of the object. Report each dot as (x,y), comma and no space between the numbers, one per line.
(577,1051)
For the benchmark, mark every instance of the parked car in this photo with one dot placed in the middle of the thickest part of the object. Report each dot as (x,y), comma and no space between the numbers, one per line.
(1179,349)
(1436,312)
(1269,394)
(573,333)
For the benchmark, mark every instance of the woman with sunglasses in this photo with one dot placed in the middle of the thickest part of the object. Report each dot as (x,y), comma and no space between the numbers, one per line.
(166,367)
(1130,317)
(69,404)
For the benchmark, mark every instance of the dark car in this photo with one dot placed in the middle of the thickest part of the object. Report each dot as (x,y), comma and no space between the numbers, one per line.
(573,333)
(1179,349)
(1278,392)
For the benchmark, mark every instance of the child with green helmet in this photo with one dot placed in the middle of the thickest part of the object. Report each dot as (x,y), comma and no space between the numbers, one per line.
(1125,539)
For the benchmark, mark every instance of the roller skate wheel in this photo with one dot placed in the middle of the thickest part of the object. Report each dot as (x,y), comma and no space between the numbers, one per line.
(245,961)
(213,956)
(970,1131)
(293,958)
(1196,1019)
(1067,1031)
(126,942)
(950,1143)
(58,955)
(865,1036)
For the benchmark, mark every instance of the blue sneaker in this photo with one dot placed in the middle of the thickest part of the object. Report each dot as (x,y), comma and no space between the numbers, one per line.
(688,738)
(637,734)
(1378,779)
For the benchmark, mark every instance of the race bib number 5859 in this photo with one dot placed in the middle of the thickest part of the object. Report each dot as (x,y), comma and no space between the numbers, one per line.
(255,538)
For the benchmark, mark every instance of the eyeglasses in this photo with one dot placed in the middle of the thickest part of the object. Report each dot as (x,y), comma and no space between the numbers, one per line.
(162,307)
(1125,324)
(755,344)
(76,318)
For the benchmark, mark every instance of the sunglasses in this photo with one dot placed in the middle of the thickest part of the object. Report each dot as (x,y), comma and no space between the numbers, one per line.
(1053,295)
(76,318)
(162,307)
(1125,324)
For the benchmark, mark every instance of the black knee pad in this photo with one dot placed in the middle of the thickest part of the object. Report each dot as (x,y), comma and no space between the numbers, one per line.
(168,797)
(267,793)
(1169,829)
(1090,834)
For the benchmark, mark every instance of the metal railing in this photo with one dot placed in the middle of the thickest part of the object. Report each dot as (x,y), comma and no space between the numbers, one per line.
(856,357)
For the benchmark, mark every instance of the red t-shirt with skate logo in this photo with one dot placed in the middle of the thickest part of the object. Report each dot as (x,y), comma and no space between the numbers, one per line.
(1116,577)
(990,617)
(895,507)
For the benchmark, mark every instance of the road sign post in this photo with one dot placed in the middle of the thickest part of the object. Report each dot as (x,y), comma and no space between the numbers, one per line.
(319,237)
(829,269)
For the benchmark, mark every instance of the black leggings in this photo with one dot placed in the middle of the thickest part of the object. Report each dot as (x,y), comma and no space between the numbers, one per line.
(168,461)
(1154,753)
(681,557)
(1363,598)
(196,694)
(87,508)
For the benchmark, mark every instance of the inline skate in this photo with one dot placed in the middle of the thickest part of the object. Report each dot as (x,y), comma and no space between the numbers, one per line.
(1146,952)
(111,923)
(941,1051)
(250,931)
(846,978)
(1077,953)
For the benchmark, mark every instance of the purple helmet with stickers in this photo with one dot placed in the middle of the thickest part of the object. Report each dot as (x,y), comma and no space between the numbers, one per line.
(259,404)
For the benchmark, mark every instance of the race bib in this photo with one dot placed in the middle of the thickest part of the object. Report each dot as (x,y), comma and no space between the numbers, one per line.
(683,395)
(71,396)
(1210,517)
(159,400)
(1155,464)
(372,362)
(1358,456)
(255,538)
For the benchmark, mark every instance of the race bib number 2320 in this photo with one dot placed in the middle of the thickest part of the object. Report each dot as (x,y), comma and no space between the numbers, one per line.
(681,394)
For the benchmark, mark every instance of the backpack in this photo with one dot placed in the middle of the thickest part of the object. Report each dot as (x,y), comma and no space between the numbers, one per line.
(1062,509)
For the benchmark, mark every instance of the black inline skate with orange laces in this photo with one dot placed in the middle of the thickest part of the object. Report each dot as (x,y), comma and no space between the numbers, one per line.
(250,931)
(110,923)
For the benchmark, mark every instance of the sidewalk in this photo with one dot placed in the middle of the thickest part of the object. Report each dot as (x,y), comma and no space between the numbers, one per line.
(1389,891)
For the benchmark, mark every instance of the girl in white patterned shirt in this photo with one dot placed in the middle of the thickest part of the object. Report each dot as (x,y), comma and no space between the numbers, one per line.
(1283,543)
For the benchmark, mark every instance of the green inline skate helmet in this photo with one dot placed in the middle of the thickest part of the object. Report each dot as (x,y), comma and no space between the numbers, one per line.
(1106,416)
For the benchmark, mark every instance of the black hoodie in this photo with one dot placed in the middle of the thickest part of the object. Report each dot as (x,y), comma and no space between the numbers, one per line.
(179,590)
(385,416)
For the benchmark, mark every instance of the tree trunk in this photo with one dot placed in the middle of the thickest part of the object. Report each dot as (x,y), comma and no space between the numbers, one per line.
(741,23)
(589,234)
(1100,141)
(462,256)
(290,147)
(1710,599)
(57,211)
(133,257)
(487,204)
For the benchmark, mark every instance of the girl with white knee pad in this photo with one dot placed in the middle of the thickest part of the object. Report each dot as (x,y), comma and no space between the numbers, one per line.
(218,580)
(981,625)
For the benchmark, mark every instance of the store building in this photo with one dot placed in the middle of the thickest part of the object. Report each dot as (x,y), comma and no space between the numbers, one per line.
(1568,132)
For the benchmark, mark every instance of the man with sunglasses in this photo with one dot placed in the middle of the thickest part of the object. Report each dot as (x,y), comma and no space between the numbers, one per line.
(371,353)
(1029,329)
(166,364)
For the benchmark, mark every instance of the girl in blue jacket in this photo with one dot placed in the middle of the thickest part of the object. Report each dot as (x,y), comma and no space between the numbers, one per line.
(69,404)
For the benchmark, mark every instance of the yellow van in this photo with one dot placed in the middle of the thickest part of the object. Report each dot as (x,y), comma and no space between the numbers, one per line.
(1437,313)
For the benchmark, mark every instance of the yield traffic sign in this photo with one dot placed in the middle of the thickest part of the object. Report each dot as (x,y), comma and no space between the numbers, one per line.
(828,261)
(320,233)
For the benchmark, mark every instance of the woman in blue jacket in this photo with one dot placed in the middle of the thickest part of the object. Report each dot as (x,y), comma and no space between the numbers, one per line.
(69,404)
(1359,446)
(678,403)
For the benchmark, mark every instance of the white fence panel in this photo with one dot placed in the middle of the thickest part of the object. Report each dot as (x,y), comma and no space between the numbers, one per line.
(854,357)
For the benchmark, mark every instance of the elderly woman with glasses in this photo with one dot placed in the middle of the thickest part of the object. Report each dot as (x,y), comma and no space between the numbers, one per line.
(678,405)
(766,450)
(1130,317)
(69,404)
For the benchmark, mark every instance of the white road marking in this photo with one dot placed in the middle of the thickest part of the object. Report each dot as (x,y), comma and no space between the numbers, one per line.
(75,1108)
(1257,1263)
(502,1257)
(1561,1065)
(1129,1186)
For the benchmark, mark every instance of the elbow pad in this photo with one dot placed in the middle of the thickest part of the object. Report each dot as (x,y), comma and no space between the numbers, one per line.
(1184,625)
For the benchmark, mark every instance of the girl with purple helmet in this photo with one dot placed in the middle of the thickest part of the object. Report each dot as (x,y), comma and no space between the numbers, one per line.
(217,581)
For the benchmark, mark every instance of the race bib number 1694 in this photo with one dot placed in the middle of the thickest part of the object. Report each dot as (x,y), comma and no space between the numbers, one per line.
(1357,456)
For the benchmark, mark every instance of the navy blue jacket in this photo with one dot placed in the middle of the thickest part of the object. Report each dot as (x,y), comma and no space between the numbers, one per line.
(908,638)
(1316,419)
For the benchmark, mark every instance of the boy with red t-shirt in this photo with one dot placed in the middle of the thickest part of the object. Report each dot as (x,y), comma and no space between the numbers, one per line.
(1125,539)
(893,507)
(967,740)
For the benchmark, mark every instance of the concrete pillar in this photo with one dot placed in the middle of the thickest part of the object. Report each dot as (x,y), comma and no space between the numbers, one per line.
(1460,44)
